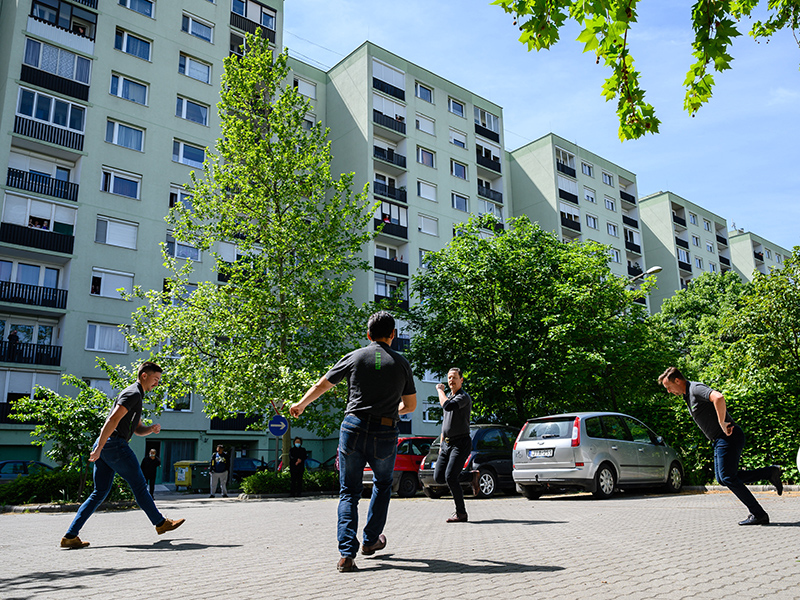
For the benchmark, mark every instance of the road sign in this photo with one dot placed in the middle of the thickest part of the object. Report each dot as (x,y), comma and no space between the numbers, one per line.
(278,425)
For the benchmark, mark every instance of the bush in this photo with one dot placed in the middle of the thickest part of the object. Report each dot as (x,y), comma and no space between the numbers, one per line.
(49,487)
(267,482)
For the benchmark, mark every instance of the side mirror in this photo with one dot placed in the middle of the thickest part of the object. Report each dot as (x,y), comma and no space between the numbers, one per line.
(660,441)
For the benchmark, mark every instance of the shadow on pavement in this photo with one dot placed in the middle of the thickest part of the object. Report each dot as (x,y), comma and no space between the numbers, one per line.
(516,522)
(435,565)
(34,585)
(773,524)
(170,545)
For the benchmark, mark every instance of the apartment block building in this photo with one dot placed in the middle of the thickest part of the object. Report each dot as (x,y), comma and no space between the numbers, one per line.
(751,253)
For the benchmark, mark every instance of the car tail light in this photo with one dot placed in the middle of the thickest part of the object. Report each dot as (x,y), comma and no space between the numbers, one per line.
(469,459)
(576,432)
(519,435)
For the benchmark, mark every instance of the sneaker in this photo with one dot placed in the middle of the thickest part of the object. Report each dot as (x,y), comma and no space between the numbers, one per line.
(73,543)
(346,565)
(379,545)
(211,496)
(458,518)
(224,495)
(168,525)
(775,479)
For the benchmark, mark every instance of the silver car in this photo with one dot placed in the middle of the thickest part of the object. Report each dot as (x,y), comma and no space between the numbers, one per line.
(594,451)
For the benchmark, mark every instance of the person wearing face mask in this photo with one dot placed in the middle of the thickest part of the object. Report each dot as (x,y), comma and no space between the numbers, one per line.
(150,464)
(297,466)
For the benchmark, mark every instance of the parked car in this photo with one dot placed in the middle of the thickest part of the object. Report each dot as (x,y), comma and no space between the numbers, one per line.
(486,471)
(410,452)
(244,467)
(11,469)
(599,452)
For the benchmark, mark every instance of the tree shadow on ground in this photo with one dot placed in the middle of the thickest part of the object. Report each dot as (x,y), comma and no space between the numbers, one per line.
(436,565)
(169,545)
(34,585)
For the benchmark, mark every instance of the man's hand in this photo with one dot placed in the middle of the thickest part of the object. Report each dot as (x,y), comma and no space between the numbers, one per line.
(727,428)
(95,454)
(440,387)
(155,428)
(296,409)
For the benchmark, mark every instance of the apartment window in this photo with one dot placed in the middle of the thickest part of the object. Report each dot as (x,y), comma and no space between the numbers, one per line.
(710,246)
(692,218)
(191,67)
(130,44)
(144,7)
(66,16)
(778,258)
(178,195)
(388,74)
(588,195)
(128,89)
(178,249)
(387,285)
(429,225)
(565,158)
(425,157)
(388,252)
(191,111)
(423,92)
(695,241)
(769,253)
(388,107)
(259,14)
(423,262)
(57,61)
(608,178)
(487,120)
(486,207)
(188,154)
(392,213)
(458,170)
(587,169)
(121,183)
(683,255)
(712,267)
(706,225)
(698,262)
(197,28)
(460,202)
(124,135)
(108,283)
(611,204)
(237,43)
(616,257)
(51,110)
(306,88)
(20,272)
(458,138)
(591,221)
(426,190)
(105,338)
(116,233)
(425,124)
(38,214)
(613,230)
(455,107)
(308,122)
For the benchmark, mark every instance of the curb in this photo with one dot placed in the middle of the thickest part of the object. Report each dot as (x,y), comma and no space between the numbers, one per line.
(752,488)
(64,508)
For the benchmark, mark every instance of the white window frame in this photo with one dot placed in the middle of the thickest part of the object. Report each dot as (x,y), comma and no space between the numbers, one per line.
(611,204)
(125,35)
(616,256)
(608,178)
(683,255)
(453,164)
(134,227)
(706,224)
(187,22)
(422,185)
(565,158)
(712,267)
(305,87)
(182,250)
(613,229)
(184,106)
(418,86)
(696,241)
(710,247)
(187,68)
(592,222)
(421,153)
(425,124)
(115,134)
(458,138)
(428,225)
(692,218)
(121,79)
(51,111)
(487,207)
(587,169)
(463,111)
(179,195)
(454,196)
(488,120)
(101,327)
(109,175)
(127,4)
(105,290)
(589,195)
(181,158)
(63,56)
(698,262)
(51,214)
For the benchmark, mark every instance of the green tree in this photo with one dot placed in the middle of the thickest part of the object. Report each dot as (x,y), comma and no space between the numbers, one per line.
(604,31)
(284,315)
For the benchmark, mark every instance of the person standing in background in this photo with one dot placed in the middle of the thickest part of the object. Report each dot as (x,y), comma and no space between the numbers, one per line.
(220,466)
(150,464)
(297,466)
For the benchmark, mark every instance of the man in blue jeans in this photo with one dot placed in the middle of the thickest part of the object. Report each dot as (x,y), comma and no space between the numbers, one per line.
(380,388)
(111,454)
(708,410)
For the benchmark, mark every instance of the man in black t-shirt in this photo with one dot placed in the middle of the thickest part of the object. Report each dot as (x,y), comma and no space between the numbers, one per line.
(380,388)
(220,467)
(710,413)
(111,454)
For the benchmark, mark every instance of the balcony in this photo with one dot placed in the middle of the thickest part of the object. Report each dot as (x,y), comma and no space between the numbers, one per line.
(678,220)
(725,261)
(238,423)
(30,354)
(493,165)
(630,222)
(36,238)
(759,256)
(33,295)
(487,133)
(684,266)
(570,224)
(46,80)
(641,301)
(389,156)
(388,88)
(391,229)
(568,196)
(722,240)
(567,170)
(682,243)
(634,271)
(48,133)
(249,26)
(491,194)
(60,35)
(395,193)
(31,182)
(89,3)
(394,302)
(631,247)
(392,266)
(627,197)
(388,122)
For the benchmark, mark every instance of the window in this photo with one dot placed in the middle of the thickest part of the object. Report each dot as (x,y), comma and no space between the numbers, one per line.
(588,195)
(193,26)
(706,225)
(66,16)
(768,251)
(698,262)
(486,207)
(178,195)
(394,214)
(124,135)
(695,241)
(565,158)
(130,44)
(116,233)
(388,107)
(178,249)
(432,413)
(388,252)
(487,120)
(455,107)
(615,255)
(306,88)
(591,221)
(191,111)
(613,230)
(144,7)
(128,89)
(237,42)
(308,122)
(458,170)
(105,338)
(608,178)
(54,111)
(712,267)
(429,225)
(107,283)
(425,124)
(121,183)
(778,258)
(57,61)
(423,92)
(426,190)
(188,154)
(587,169)
(683,255)
(388,74)
(423,261)
(611,204)
(39,214)
(20,272)
(692,218)
(425,157)
(389,285)
(191,67)
(710,246)
(458,139)
(460,202)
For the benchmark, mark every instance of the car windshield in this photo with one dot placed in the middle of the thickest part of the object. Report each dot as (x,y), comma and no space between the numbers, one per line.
(548,429)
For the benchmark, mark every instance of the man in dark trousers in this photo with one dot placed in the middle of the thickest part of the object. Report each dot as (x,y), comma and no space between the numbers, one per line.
(456,443)
(150,464)
(297,466)
(708,410)
(380,388)
(111,454)
(220,467)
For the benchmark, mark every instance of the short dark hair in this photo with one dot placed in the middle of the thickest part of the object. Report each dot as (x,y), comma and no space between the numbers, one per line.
(148,367)
(298,438)
(671,374)
(457,370)
(380,325)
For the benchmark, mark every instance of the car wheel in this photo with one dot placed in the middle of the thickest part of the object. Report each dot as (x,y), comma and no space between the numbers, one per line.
(408,486)
(604,482)
(487,484)
(531,492)
(430,492)
(674,478)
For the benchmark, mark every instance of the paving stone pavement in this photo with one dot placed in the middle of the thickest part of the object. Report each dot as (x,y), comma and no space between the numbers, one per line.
(559,547)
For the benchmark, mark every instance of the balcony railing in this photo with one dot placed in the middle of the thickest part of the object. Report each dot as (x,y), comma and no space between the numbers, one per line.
(631,247)
(391,229)
(389,156)
(627,197)
(34,295)
(89,3)
(679,220)
(682,243)
(75,32)
(48,133)
(491,194)
(566,169)
(390,192)
(249,26)
(569,197)
(487,133)
(388,122)
(393,266)
(237,423)
(394,301)
(684,266)
(640,301)
(61,85)
(388,88)
(634,271)
(725,261)
(32,182)
(484,161)
(722,240)
(30,354)
(570,224)
(759,256)
(36,238)
(630,222)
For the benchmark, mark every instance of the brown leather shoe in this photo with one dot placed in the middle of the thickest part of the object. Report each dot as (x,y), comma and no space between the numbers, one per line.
(379,545)
(74,543)
(169,525)
(346,565)
(458,518)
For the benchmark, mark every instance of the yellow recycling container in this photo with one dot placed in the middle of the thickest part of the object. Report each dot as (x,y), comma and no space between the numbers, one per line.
(191,475)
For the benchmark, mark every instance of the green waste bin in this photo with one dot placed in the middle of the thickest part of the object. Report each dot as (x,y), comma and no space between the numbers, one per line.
(192,475)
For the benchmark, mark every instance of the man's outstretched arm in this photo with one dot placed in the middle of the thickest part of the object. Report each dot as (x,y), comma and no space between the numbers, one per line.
(314,392)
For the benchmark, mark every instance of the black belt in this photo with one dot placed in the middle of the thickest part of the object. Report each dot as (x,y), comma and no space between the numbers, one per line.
(449,440)
(387,421)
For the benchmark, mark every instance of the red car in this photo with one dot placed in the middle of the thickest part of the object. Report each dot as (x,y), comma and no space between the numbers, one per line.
(410,452)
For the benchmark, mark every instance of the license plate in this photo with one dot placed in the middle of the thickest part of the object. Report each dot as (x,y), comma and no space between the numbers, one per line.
(543,452)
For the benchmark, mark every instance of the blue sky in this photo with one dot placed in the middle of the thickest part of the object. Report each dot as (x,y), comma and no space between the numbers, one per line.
(739,158)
